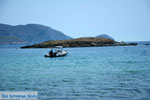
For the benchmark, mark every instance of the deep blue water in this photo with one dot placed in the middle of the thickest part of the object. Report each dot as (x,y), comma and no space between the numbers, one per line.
(91,73)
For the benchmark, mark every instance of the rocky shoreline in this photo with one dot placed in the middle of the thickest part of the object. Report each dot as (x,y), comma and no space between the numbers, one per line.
(80,42)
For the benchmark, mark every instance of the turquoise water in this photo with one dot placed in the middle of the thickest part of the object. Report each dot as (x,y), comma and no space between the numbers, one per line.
(96,73)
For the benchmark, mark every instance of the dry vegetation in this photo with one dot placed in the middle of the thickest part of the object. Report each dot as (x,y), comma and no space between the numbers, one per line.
(79,42)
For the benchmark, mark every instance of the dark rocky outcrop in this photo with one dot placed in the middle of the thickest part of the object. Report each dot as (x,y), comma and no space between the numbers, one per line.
(147,44)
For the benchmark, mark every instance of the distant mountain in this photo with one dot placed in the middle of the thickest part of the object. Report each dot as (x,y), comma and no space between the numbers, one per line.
(32,33)
(10,40)
(105,36)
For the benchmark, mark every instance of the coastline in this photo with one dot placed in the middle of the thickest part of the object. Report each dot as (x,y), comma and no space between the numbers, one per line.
(80,42)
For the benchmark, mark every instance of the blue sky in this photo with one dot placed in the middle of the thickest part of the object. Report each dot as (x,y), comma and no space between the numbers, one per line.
(124,20)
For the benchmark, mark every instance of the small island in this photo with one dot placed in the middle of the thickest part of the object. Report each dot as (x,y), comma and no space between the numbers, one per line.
(80,42)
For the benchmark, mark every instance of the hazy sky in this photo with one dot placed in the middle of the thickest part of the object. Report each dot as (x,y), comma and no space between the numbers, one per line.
(127,20)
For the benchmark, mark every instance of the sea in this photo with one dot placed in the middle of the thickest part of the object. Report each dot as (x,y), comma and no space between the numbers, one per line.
(86,73)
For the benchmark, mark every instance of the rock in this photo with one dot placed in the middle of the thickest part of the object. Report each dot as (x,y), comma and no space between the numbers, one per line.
(147,44)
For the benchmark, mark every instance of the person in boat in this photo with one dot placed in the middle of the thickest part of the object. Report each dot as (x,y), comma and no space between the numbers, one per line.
(55,54)
(51,53)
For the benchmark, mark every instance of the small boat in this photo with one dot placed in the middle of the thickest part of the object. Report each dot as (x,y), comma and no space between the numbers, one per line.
(59,52)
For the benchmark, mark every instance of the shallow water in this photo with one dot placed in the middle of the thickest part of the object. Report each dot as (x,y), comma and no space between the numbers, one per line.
(91,73)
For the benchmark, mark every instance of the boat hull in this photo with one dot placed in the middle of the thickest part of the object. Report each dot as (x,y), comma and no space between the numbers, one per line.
(57,55)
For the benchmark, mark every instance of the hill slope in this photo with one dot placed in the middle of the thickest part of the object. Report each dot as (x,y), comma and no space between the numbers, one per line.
(10,40)
(32,33)
(105,36)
